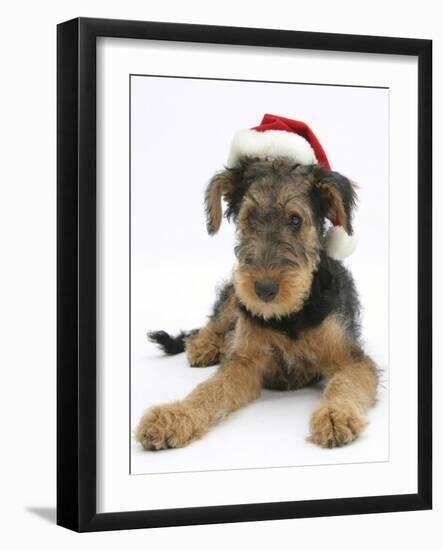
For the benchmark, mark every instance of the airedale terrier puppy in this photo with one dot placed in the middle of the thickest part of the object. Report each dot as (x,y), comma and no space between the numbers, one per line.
(290,315)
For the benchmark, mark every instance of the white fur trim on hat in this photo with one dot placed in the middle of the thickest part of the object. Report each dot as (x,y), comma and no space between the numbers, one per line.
(270,144)
(338,244)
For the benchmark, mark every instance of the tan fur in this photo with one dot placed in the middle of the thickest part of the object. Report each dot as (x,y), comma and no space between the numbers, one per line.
(336,423)
(294,288)
(323,351)
(208,347)
(338,214)
(237,383)
(253,356)
(204,349)
(221,186)
(295,283)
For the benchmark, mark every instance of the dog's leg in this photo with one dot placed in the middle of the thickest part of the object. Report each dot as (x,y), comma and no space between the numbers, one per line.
(204,348)
(348,394)
(210,344)
(235,384)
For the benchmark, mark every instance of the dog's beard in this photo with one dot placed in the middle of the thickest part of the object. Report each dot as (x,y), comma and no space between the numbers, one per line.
(294,289)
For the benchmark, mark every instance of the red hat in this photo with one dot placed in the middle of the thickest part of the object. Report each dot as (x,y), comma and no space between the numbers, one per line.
(277,136)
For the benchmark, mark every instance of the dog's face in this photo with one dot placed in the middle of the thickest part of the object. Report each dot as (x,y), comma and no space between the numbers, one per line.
(280,211)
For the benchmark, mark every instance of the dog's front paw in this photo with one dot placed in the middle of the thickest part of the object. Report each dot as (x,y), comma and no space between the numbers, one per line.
(335,424)
(166,427)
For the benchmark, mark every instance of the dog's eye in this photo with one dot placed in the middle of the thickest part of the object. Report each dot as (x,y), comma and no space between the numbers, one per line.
(252,218)
(295,222)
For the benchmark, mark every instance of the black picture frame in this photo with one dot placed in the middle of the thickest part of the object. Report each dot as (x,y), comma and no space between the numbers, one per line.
(76,273)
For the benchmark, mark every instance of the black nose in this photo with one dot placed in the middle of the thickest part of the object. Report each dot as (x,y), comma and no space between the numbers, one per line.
(266,290)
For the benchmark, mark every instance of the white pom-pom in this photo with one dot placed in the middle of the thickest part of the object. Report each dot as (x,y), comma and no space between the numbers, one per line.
(338,244)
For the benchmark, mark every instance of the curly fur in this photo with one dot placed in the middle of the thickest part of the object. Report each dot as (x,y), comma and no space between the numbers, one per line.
(308,329)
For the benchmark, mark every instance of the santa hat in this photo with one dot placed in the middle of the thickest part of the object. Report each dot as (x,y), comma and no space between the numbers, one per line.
(277,136)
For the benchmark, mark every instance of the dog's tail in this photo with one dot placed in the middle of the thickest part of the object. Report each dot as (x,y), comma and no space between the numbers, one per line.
(171,345)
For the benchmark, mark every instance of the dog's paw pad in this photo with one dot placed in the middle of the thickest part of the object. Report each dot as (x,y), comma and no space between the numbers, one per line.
(335,424)
(165,427)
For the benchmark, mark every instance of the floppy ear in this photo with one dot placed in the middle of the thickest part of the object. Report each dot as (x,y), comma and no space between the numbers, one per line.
(221,185)
(338,197)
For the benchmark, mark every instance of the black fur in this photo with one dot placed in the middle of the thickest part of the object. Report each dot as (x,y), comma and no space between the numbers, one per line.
(250,170)
(288,377)
(332,292)
(343,186)
(224,292)
(318,210)
(171,345)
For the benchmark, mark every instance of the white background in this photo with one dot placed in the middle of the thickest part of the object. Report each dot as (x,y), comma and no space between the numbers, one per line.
(28,279)
(116,489)
(181,131)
